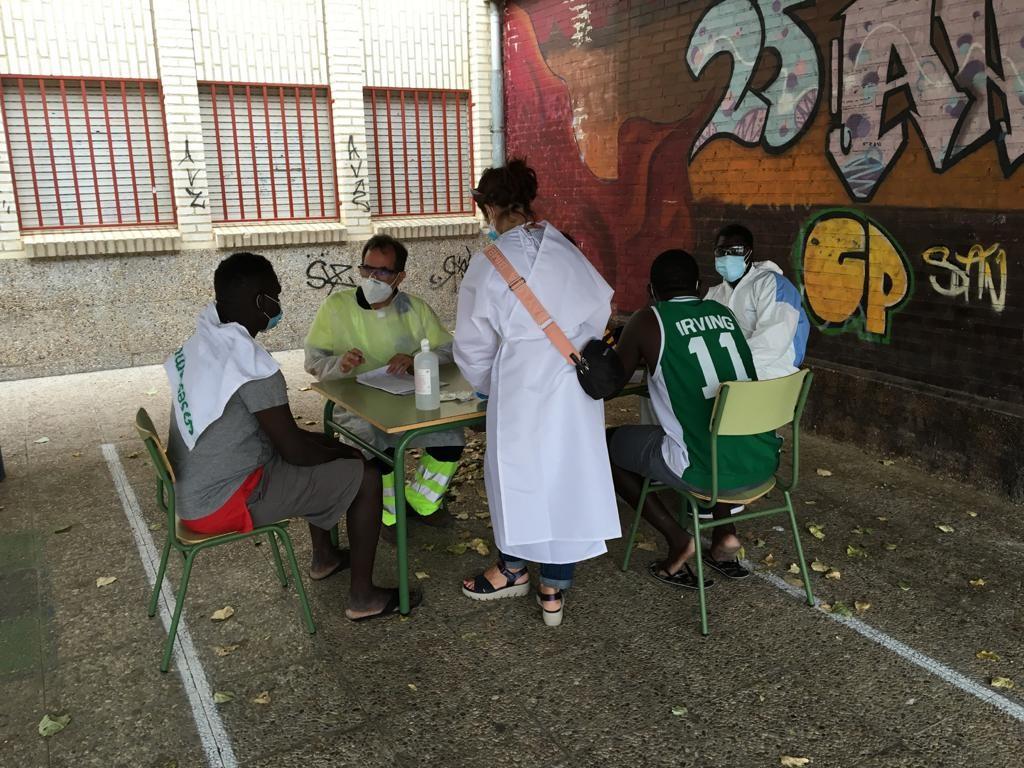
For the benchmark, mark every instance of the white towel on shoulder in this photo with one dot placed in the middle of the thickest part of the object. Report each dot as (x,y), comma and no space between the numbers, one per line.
(209,368)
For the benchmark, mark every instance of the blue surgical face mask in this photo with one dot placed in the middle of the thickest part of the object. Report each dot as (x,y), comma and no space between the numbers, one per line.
(731,267)
(272,321)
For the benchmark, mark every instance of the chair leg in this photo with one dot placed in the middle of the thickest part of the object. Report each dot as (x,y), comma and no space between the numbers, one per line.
(179,602)
(799,550)
(307,614)
(699,563)
(151,609)
(636,524)
(277,560)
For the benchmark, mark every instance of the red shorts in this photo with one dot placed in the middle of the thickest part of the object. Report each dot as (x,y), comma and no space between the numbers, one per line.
(233,515)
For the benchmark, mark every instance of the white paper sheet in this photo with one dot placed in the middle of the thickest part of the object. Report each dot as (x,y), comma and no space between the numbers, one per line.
(379,378)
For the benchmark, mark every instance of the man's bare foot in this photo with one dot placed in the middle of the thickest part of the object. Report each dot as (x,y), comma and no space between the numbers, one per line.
(371,604)
(328,564)
(726,547)
(497,579)
(677,558)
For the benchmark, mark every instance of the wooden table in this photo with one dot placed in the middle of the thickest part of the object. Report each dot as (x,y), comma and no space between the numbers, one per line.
(398,415)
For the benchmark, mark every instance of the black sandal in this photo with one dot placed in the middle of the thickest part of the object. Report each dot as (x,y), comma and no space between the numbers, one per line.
(684,577)
(731,569)
(483,589)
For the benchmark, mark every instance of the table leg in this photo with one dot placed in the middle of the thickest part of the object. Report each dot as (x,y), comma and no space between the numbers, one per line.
(400,523)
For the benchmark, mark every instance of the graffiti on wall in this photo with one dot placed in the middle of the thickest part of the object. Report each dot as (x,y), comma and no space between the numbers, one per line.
(196,195)
(321,273)
(360,198)
(452,271)
(955,109)
(854,276)
(979,275)
(778,113)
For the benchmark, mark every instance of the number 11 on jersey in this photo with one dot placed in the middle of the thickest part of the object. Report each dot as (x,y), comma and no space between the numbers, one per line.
(712,381)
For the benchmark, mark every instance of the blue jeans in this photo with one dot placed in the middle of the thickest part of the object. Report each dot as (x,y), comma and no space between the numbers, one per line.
(554,576)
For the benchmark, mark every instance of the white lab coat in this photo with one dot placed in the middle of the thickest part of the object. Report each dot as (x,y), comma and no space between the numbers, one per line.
(548,479)
(771,316)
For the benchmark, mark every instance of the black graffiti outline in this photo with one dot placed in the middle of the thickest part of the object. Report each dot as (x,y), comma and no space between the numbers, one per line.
(360,197)
(811,37)
(454,267)
(197,201)
(331,278)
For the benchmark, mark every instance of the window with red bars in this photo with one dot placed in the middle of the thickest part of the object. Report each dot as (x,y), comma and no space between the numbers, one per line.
(419,151)
(87,152)
(269,151)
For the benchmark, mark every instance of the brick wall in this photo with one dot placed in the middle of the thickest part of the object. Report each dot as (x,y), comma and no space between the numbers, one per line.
(873,148)
(138,289)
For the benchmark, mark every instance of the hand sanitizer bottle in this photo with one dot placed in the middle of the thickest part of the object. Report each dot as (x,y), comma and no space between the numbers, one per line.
(428,379)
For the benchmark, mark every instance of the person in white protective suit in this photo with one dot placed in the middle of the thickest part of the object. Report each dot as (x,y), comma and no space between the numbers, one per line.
(547,473)
(766,304)
(377,324)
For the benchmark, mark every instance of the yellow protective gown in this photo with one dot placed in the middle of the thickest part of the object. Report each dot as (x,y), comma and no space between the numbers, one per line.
(341,324)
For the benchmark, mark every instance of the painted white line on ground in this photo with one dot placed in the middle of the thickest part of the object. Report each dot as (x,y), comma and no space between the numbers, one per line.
(215,739)
(915,657)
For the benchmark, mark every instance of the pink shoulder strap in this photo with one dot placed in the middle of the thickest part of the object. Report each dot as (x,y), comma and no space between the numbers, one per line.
(517,284)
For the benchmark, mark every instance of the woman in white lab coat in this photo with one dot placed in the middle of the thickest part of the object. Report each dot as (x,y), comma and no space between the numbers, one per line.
(548,480)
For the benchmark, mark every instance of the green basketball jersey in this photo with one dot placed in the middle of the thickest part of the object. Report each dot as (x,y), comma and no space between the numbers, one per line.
(701,346)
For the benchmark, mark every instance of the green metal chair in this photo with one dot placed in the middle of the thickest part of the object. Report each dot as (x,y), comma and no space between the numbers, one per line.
(742,408)
(190,543)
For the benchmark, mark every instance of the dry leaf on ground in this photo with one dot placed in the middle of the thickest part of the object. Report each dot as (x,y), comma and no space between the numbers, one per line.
(816,531)
(833,575)
(852,551)
(222,697)
(105,581)
(793,568)
(759,543)
(824,472)
(224,650)
(819,567)
(309,422)
(890,547)
(76,454)
(810,503)
(680,711)
(480,546)
(41,440)
(882,519)
(50,725)
(861,606)
(987,656)
(904,587)
(647,545)
(945,528)
(412,686)
(977,582)
(793,581)
(457,549)
(421,575)
(886,462)
(971,514)
(769,560)
(223,614)
(305,388)
(263,697)
(1002,682)
(62,529)
(793,762)
(842,609)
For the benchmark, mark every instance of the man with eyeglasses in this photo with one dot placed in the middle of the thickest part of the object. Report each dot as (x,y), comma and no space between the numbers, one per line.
(766,304)
(375,325)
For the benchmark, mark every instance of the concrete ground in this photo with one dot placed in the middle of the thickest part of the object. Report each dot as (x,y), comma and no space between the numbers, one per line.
(626,681)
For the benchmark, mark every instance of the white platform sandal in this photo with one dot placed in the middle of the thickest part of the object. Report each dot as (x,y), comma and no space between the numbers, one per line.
(551,618)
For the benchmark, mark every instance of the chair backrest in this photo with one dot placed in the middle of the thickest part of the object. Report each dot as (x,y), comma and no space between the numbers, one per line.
(753,407)
(157,452)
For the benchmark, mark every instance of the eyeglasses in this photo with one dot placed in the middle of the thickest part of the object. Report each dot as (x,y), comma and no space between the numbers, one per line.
(730,250)
(380,273)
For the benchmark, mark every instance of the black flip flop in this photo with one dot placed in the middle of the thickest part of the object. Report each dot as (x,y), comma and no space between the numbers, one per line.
(391,607)
(684,577)
(343,564)
(731,569)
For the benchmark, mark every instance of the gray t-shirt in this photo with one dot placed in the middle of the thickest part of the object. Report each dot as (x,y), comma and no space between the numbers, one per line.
(228,451)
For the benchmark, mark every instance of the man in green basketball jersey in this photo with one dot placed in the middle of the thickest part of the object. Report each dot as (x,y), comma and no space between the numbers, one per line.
(689,347)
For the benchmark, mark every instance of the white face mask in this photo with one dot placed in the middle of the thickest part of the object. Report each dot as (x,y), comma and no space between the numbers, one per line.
(375,291)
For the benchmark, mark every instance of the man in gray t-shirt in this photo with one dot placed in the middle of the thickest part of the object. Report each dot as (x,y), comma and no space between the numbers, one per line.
(304,474)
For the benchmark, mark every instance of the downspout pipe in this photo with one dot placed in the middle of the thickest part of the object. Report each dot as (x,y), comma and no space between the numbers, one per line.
(497,88)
